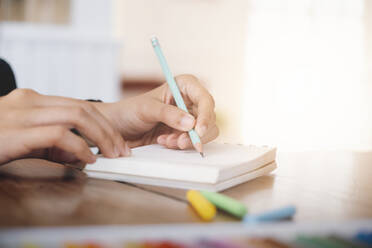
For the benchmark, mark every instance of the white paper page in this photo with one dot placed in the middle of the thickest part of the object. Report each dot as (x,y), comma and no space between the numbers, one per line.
(157,161)
(216,155)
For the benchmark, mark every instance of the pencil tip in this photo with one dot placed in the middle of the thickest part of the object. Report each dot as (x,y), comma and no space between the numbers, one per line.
(201,154)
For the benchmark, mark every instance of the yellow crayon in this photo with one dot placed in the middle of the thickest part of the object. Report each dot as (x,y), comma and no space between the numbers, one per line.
(202,206)
(134,245)
(72,245)
(30,246)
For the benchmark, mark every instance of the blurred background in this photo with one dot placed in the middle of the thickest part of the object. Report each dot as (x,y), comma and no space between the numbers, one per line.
(296,74)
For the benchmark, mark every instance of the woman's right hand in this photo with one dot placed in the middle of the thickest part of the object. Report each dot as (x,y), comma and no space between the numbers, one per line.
(35,125)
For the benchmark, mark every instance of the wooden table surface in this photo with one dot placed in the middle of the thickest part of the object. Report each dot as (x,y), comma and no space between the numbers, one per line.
(332,185)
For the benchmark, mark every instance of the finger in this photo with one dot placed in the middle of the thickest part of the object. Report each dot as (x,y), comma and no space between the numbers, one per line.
(34,138)
(75,145)
(211,134)
(59,155)
(199,96)
(184,141)
(205,117)
(155,111)
(171,141)
(204,122)
(118,139)
(75,117)
(115,136)
(162,139)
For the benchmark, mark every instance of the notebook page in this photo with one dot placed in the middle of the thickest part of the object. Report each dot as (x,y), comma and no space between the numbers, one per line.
(159,162)
(216,155)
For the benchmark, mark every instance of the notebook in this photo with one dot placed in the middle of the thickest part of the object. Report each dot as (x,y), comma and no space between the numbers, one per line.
(224,166)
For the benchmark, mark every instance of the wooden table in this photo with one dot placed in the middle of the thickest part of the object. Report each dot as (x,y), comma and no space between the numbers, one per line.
(333,185)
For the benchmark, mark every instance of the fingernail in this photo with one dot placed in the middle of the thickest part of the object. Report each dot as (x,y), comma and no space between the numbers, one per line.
(122,150)
(92,158)
(128,151)
(183,142)
(117,151)
(161,140)
(187,121)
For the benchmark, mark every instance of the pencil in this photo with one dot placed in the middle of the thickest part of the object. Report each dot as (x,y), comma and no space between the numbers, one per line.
(175,92)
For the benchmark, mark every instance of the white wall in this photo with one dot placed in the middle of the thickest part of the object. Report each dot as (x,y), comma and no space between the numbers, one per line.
(308,58)
(80,59)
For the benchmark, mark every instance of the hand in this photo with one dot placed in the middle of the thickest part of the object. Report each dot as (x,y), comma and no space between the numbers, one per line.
(153,117)
(35,125)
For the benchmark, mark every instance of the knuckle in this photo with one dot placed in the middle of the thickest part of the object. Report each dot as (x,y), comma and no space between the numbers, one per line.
(22,93)
(102,135)
(81,146)
(58,132)
(88,107)
(78,112)
(111,131)
(120,139)
(187,78)
(164,113)
(211,99)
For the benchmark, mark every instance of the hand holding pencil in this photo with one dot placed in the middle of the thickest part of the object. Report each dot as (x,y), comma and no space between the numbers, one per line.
(195,139)
(153,117)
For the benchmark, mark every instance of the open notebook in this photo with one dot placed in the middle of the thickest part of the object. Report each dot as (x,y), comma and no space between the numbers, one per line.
(224,166)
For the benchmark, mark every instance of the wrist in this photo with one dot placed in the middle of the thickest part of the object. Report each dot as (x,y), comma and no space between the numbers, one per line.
(106,109)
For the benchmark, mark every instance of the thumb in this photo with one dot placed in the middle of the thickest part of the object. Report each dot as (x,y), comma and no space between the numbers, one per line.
(170,115)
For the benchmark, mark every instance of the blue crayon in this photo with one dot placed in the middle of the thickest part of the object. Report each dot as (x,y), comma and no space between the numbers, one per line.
(364,237)
(274,215)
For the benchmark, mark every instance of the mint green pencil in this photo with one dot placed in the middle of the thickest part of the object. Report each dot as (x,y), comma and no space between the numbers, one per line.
(175,92)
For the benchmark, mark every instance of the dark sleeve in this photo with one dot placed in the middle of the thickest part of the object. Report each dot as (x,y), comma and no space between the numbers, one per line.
(7,79)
